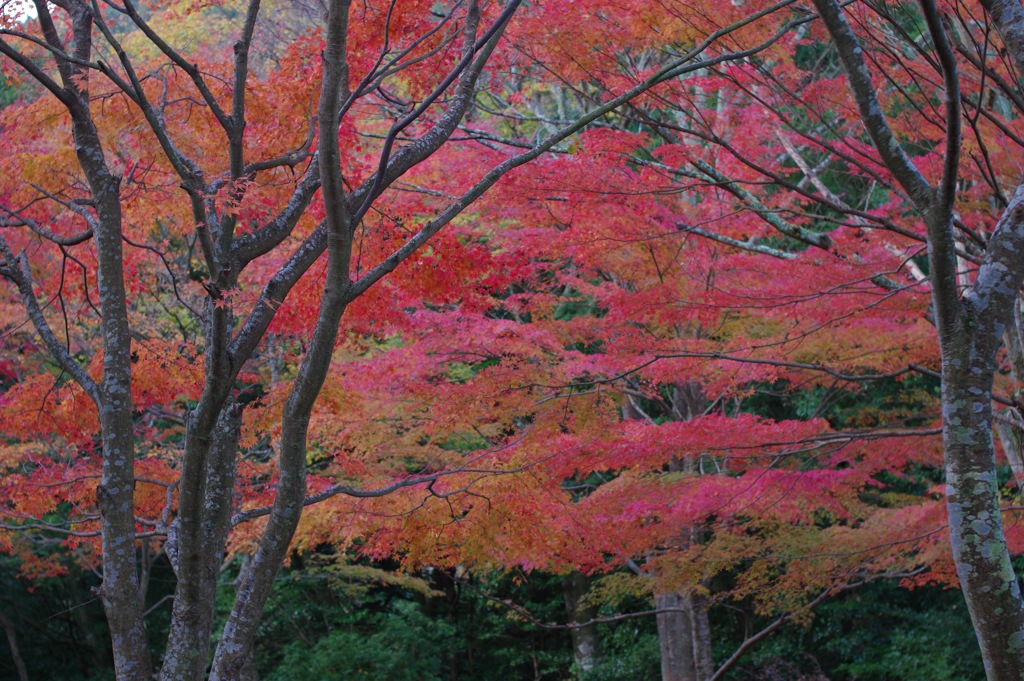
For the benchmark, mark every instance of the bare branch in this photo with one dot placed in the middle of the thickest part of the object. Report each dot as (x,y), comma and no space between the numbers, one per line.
(946,195)
(748,245)
(875,121)
(823,241)
(21,220)
(16,269)
(191,69)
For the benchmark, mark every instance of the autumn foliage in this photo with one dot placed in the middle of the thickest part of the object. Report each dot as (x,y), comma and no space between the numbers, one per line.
(691,339)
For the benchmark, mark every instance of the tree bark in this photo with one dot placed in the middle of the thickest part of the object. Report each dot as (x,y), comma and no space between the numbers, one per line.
(204,518)
(120,592)
(700,634)
(684,633)
(585,639)
(684,637)
(675,638)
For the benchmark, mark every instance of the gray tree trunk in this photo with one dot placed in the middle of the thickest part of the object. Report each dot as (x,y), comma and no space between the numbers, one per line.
(674,638)
(971,325)
(684,634)
(684,637)
(586,641)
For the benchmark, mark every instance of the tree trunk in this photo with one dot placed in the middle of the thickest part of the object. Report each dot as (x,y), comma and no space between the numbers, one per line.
(677,663)
(971,322)
(585,639)
(12,642)
(204,517)
(980,551)
(684,637)
(701,636)
(684,634)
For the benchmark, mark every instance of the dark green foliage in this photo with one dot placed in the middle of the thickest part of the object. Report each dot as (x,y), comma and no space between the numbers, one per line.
(59,624)
(62,633)
(9,93)
(335,623)
(910,402)
(400,645)
(630,651)
(879,633)
(327,623)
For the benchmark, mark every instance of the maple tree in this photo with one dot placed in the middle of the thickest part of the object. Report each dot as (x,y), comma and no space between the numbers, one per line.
(972,313)
(869,267)
(158,168)
(969,214)
(604,321)
(596,329)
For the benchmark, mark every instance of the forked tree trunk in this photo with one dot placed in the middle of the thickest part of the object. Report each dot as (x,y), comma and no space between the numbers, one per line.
(684,637)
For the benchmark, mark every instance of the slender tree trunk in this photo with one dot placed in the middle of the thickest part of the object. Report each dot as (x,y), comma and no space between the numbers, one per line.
(115,496)
(700,630)
(204,518)
(257,580)
(684,634)
(687,630)
(980,551)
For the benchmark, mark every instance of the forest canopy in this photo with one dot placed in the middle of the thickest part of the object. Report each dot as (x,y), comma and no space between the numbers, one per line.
(656,337)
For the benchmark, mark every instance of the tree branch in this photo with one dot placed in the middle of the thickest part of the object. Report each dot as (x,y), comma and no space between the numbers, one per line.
(874,119)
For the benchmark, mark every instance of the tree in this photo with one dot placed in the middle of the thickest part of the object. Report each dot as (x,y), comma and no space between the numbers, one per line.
(890,138)
(971,320)
(223,156)
(914,108)
(619,311)
(616,317)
